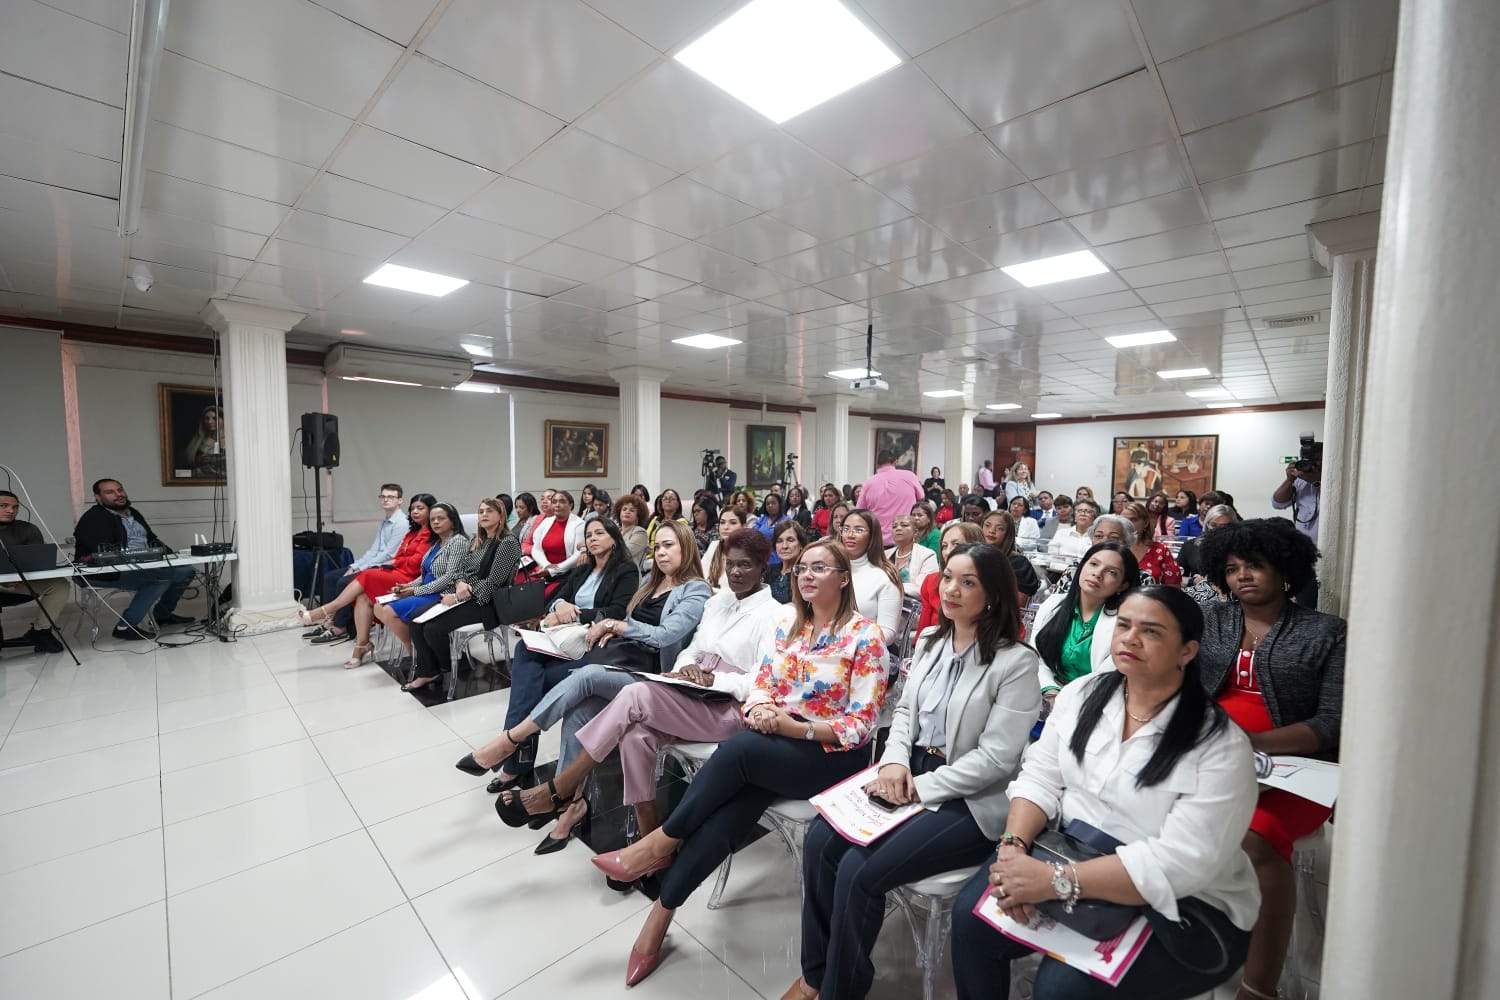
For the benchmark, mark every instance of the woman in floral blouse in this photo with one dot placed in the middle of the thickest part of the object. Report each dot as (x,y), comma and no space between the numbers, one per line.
(811,713)
(1153,557)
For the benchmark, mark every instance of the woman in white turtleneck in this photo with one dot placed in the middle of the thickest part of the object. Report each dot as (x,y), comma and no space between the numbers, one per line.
(877,588)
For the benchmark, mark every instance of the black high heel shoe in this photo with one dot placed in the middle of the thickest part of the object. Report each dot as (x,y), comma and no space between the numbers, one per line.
(551,844)
(512,811)
(469,765)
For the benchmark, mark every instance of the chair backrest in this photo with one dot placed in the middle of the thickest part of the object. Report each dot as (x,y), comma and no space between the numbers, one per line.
(906,629)
(470,522)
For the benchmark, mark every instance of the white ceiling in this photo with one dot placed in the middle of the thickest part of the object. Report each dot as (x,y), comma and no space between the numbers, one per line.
(603,200)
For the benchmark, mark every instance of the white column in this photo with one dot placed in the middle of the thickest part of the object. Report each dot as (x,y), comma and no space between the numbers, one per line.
(1347,248)
(640,425)
(958,446)
(1415,903)
(832,435)
(253,349)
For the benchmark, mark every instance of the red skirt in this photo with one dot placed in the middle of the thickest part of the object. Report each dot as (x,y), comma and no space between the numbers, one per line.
(379,582)
(1281,818)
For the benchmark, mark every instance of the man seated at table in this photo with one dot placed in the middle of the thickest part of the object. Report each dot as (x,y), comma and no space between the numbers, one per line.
(393,527)
(52,595)
(112,521)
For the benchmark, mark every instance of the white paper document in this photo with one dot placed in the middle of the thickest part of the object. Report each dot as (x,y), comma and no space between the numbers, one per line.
(1104,960)
(848,809)
(1314,780)
(386,598)
(437,609)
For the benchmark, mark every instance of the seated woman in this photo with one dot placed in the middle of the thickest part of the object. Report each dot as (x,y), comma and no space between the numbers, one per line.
(947,508)
(1072,541)
(731,640)
(668,508)
(632,515)
(999,530)
(955,533)
(877,588)
(660,617)
(828,498)
(744,502)
(556,542)
(522,511)
(924,525)
(771,514)
(1195,581)
(913,563)
(1142,755)
(526,529)
(1118,501)
(705,523)
(481,580)
(405,566)
(1074,628)
(1152,555)
(1277,668)
(811,716)
(1028,531)
(796,507)
(604,504)
(955,744)
(1189,524)
(787,542)
(644,495)
(440,570)
(730,521)
(1163,524)
(596,591)
(836,515)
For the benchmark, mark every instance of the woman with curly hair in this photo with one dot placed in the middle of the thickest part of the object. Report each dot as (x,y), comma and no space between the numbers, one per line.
(1277,668)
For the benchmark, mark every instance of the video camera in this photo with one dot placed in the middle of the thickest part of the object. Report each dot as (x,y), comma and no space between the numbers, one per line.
(709,456)
(1310,455)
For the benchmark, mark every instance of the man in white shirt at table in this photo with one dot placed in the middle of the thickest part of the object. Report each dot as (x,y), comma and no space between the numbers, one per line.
(393,527)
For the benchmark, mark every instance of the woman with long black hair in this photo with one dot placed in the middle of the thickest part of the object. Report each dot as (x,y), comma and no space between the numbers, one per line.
(1141,764)
(1074,630)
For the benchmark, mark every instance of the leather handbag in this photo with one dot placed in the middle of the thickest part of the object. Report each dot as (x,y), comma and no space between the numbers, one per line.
(1096,919)
(572,640)
(520,602)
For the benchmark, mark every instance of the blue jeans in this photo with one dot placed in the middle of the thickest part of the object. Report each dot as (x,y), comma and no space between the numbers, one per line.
(577,699)
(532,675)
(158,589)
(982,957)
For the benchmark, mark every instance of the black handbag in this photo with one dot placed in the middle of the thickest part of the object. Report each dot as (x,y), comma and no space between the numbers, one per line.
(1096,919)
(520,602)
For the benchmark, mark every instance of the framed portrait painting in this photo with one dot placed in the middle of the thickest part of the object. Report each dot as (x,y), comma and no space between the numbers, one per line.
(902,441)
(765,454)
(1143,466)
(193,436)
(573,448)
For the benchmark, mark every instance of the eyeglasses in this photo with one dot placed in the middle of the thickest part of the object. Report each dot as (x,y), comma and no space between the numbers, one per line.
(855,529)
(813,569)
(389,496)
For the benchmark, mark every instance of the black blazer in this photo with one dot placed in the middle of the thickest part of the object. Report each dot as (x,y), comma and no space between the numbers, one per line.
(620,582)
(1026,580)
(99,526)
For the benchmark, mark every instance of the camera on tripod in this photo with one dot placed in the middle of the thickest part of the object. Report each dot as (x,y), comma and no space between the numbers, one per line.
(710,455)
(1310,455)
(790,473)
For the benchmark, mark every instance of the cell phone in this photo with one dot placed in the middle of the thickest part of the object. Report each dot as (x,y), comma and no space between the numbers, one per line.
(881,802)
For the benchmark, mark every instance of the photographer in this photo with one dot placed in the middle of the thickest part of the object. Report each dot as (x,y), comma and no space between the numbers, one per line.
(719,479)
(1301,491)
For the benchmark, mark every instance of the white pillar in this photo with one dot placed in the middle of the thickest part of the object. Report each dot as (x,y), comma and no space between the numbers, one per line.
(1347,248)
(1415,903)
(958,446)
(253,349)
(640,426)
(832,435)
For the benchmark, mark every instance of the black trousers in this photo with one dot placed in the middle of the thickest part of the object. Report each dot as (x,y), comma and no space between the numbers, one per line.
(429,640)
(746,774)
(334,582)
(844,904)
(982,957)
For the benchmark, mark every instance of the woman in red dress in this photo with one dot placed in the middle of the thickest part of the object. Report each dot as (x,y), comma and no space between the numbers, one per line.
(1277,669)
(955,533)
(404,567)
(1151,555)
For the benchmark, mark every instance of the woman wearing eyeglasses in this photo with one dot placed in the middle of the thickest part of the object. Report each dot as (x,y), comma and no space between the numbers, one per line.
(877,587)
(811,714)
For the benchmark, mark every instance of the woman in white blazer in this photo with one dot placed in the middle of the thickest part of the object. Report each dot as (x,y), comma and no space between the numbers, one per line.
(1073,630)
(956,741)
(911,561)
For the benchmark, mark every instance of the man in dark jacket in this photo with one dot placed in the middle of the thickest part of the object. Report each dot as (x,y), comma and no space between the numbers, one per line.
(52,595)
(112,521)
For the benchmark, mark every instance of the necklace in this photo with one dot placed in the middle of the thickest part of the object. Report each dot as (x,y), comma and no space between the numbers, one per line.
(1133,716)
(1255,639)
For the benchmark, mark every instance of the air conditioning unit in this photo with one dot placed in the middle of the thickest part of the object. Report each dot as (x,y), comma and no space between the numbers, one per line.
(372,364)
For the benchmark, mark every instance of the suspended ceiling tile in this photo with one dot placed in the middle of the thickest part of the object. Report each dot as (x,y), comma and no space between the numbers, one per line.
(1187,289)
(61,167)
(1287,220)
(397,20)
(393,163)
(56,49)
(817,264)
(352,201)
(950,262)
(687,208)
(525,206)
(206,160)
(1141,218)
(841,210)
(587,169)
(770,172)
(1116,117)
(570,262)
(1298,180)
(956,171)
(1119,179)
(335,234)
(1172,28)
(199,235)
(918,27)
(759,239)
(696,263)
(623,239)
(663,24)
(486,239)
(1277,251)
(174,196)
(993,214)
(32,111)
(1163,246)
(1195,266)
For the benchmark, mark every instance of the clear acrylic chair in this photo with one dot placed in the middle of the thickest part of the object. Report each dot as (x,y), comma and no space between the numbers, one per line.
(932,900)
(490,647)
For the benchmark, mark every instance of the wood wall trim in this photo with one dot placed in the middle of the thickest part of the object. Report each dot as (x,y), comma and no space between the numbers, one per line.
(176,343)
(1201,412)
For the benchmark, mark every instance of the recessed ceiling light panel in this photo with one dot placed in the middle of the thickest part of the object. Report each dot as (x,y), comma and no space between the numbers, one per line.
(1045,416)
(1141,339)
(1003,406)
(707,341)
(1184,373)
(943,393)
(1050,270)
(409,279)
(479,350)
(1218,392)
(853,373)
(1222,406)
(783,57)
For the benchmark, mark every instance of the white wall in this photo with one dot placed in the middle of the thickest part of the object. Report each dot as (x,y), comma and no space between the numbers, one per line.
(532,411)
(984,447)
(1251,446)
(930,443)
(36,444)
(686,429)
(799,438)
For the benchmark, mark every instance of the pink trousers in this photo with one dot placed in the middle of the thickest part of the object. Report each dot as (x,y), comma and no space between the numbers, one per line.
(641,717)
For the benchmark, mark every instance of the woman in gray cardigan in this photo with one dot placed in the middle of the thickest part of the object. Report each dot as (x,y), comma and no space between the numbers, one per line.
(956,740)
(1277,668)
(440,569)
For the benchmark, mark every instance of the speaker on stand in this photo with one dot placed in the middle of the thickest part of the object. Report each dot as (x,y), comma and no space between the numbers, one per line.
(320,450)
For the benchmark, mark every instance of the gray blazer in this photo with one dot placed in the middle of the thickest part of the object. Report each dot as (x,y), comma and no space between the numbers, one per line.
(990,715)
(446,566)
(679,618)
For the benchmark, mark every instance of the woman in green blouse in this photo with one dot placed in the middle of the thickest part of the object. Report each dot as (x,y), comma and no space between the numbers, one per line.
(1073,630)
(923,518)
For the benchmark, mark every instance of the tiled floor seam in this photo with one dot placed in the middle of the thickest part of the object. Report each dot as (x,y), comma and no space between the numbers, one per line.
(93,923)
(573,951)
(166,908)
(253,798)
(91,847)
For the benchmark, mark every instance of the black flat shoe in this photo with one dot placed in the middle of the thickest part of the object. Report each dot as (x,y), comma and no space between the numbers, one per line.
(512,811)
(468,765)
(498,785)
(551,844)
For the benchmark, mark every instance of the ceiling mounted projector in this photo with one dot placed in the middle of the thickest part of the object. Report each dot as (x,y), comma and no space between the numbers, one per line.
(869,384)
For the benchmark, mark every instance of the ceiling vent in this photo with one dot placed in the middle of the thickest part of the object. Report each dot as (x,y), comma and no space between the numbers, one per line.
(376,365)
(1297,319)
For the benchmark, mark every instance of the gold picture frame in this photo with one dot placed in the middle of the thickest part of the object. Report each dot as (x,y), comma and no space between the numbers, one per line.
(575,449)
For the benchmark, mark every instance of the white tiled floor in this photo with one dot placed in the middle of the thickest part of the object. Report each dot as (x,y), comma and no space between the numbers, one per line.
(251,820)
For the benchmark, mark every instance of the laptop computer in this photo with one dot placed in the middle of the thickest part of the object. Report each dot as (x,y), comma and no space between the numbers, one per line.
(29,558)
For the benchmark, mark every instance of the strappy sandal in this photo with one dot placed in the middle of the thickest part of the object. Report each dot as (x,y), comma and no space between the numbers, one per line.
(469,765)
(512,811)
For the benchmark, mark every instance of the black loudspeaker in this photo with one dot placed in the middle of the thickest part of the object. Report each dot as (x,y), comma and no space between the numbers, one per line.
(320,440)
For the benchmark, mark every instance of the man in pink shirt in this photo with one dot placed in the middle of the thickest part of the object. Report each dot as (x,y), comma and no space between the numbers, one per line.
(987,479)
(890,492)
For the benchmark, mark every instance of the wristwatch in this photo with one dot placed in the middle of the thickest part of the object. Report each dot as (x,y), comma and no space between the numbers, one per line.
(808,733)
(1063,886)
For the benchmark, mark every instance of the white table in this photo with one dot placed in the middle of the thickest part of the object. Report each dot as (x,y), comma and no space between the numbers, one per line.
(183,558)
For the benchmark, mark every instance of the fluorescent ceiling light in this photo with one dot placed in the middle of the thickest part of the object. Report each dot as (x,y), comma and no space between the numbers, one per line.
(1142,339)
(707,341)
(1003,406)
(409,279)
(1045,416)
(782,57)
(943,393)
(853,373)
(476,387)
(1218,392)
(1049,270)
(478,350)
(383,381)
(354,333)
(1222,406)
(1184,373)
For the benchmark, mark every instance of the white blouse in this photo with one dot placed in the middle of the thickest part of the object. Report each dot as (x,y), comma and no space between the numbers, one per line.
(1069,544)
(923,563)
(740,633)
(572,542)
(1182,835)
(876,597)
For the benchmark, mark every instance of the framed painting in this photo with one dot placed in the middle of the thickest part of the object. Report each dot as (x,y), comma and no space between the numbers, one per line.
(572,448)
(765,454)
(1142,466)
(193,436)
(902,441)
